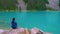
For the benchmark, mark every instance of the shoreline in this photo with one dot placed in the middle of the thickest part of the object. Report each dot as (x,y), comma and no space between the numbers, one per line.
(23,30)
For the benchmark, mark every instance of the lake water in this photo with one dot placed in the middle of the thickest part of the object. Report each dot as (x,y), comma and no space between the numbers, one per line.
(47,21)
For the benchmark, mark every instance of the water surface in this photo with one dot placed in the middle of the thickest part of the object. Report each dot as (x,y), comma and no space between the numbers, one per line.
(47,21)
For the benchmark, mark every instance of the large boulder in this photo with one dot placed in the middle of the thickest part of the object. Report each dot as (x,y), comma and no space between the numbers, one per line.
(15,31)
(36,31)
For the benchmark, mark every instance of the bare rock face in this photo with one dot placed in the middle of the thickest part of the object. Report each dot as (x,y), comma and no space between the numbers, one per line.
(36,31)
(15,31)
(21,5)
(1,31)
(24,31)
(54,4)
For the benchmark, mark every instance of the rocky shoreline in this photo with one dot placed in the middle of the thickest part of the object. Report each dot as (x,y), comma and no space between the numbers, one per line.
(23,31)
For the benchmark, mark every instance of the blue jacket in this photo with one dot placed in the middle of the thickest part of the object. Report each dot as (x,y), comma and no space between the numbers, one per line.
(14,24)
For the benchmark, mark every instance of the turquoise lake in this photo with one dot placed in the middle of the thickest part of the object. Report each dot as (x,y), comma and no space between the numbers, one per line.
(47,21)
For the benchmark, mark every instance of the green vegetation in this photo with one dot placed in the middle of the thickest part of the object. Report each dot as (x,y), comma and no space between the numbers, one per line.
(8,4)
(59,3)
(31,4)
(51,9)
(36,4)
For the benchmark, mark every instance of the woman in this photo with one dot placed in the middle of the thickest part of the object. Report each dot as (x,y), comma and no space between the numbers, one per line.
(14,24)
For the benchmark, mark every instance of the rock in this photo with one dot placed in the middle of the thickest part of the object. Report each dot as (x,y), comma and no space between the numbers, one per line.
(27,31)
(15,31)
(23,31)
(21,5)
(5,32)
(54,4)
(36,31)
(48,33)
(1,31)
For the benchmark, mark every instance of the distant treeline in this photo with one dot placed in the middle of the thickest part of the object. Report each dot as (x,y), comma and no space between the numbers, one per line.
(31,4)
(8,4)
(36,4)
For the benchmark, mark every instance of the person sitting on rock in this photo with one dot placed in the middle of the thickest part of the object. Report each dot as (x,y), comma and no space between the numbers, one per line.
(14,24)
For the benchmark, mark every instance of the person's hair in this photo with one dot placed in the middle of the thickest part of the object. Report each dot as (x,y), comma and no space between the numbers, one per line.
(13,18)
